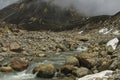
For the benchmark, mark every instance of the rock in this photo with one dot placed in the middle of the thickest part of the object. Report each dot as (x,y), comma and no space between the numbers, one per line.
(68,78)
(4,49)
(41,55)
(115,65)
(19,64)
(45,71)
(87,60)
(1,58)
(110,50)
(80,72)
(72,61)
(105,65)
(85,38)
(14,46)
(67,69)
(6,69)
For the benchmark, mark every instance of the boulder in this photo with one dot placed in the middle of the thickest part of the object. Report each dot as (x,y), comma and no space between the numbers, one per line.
(67,69)
(19,64)
(45,71)
(72,61)
(80,72)
(89,63)
(6,69)
(14,46)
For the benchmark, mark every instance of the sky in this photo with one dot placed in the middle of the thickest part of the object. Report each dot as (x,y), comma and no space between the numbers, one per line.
(4,3)
(85,7)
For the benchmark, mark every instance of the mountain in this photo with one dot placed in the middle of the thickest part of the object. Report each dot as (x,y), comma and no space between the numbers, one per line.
(41,15)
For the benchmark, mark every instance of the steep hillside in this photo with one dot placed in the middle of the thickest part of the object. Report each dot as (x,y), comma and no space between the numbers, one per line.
(41,15)
(34,15)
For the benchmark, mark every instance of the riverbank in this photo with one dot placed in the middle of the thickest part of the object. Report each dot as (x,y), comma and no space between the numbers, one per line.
(77,52)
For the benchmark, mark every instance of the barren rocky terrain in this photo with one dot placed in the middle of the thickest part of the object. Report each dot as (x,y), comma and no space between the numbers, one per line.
(63,49)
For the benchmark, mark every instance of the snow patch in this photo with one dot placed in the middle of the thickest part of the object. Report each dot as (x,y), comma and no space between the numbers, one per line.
(103,74)
(80,32)
(105,30)
(116,32)
(114,42)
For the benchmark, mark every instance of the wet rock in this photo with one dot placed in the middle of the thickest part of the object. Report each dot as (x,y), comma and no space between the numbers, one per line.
(72,61)
(67,69)
(6,69)
(45,71)
(19,64)
(80,72)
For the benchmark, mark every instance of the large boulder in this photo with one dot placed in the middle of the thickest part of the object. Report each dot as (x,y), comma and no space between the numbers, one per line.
(67,69)
(45,71)
(72,61)
(19,64)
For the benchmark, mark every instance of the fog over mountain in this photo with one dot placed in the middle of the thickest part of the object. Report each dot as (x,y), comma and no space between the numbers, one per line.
(91,7)
(85,7)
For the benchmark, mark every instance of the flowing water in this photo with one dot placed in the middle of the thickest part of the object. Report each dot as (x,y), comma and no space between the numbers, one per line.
(57,60)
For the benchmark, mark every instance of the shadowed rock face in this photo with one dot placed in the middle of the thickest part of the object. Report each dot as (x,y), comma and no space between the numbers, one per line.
(39,15)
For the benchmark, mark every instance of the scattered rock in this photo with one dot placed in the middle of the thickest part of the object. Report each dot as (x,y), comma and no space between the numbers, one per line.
(19,64)
(45,71)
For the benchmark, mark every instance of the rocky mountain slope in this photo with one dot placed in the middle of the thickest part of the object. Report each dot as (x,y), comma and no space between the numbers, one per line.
(45,33)
(40,15)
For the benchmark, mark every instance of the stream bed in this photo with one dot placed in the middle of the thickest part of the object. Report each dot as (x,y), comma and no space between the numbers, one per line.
(57,60)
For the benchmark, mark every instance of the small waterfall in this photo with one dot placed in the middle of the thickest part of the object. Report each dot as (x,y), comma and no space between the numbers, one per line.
(24,75)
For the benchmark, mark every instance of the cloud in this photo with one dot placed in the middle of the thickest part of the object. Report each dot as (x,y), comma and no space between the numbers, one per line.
(90,7)
(4,3)
(84,7)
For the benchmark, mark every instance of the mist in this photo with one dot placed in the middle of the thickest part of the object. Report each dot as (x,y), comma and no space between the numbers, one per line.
(84,7)
(4,3)
(90,7)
